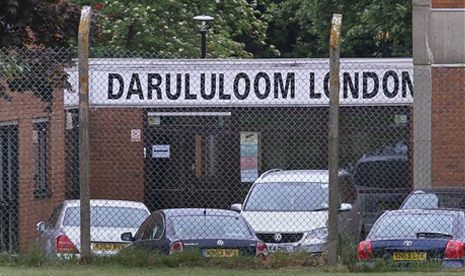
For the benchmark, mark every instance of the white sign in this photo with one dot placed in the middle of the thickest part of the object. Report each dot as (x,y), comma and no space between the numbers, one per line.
(280,82)
(161,151)
(135,135)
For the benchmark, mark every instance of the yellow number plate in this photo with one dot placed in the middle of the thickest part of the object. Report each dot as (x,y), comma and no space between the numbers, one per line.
(108,246)
(222,253)
(409,256)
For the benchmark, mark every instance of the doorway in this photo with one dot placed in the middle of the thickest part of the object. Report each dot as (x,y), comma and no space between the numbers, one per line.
(9,177)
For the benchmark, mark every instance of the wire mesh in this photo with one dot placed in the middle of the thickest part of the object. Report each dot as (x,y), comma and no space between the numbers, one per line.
(228,157)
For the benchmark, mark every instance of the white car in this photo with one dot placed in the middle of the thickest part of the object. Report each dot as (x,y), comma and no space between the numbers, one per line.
(61,236)
(288,210)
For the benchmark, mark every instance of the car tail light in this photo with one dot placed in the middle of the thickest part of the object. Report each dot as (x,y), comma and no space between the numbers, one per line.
(261,249)
(176,247)
(454,250)
(64,245)
(364,251)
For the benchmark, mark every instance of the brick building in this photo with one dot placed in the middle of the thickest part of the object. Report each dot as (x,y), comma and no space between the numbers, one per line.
(439,59)
(32,176)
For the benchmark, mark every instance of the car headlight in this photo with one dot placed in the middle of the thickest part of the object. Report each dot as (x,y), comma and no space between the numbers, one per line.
(319,235)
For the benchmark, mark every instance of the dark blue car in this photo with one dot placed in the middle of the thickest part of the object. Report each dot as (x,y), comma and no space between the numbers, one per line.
(416,236)
(214,232)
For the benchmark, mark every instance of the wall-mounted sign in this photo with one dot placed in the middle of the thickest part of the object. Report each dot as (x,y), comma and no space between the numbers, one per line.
(136,135)
(161,151)
(148,83)
(249,156)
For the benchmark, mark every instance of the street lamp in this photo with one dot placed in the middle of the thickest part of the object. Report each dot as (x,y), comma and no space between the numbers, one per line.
(203,32)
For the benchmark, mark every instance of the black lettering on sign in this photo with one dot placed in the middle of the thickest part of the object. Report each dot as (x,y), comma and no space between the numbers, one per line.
(395,90)
(313,93)
(374,92)
(178,87)
(204,95)
(278,84)
(406,82)
(347,83)
(256,85)
(326,85)
(222,95)
(153,86)
(111,95)
(237,79)
(187,88)
(138,90)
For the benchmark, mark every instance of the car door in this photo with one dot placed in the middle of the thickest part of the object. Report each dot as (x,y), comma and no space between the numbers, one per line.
(151,234)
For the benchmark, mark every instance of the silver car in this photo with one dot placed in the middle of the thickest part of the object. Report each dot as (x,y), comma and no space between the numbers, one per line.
(289,209)
(60,236)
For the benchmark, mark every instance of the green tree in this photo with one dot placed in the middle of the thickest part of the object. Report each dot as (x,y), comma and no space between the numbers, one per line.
(29,31)
(167,27)
(300,28)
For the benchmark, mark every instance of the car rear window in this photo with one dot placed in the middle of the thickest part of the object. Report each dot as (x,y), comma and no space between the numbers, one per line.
(210,227)
(409,225)
(117,217)
(435,200)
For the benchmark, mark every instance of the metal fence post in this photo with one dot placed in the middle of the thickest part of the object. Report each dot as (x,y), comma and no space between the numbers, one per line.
(334,54)
(83,63)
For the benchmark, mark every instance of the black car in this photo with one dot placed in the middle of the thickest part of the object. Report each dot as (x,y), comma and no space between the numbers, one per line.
(416,236)
(436,198)
(383,180)
(214,232)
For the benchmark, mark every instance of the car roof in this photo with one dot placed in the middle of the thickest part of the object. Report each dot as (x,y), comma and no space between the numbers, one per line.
(184,212)
(294,176)
(107,203)
(440,190)
(454,212)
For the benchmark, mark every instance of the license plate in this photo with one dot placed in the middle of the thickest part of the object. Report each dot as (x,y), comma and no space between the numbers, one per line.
(409,256)
(220,253)
(108,246)
(282,248)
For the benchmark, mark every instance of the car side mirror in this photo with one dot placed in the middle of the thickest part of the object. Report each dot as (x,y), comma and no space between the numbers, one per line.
(345,207)
(127,237)
(236,207)
(40,227)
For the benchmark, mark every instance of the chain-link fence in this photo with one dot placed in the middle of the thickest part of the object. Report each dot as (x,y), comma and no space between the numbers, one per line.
(229,156)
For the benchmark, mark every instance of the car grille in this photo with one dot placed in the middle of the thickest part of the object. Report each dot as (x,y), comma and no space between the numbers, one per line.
(286,237)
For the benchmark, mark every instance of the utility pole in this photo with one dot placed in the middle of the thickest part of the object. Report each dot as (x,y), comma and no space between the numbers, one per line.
(334,205)
(84,160)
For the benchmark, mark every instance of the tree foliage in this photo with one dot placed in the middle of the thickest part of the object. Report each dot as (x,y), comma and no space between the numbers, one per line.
(30,32)
(300,28)
(167,27)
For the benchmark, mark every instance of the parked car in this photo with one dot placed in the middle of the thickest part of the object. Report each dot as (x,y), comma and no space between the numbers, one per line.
(383,180)
(214,232)
(416,236)
(61,236)
(288,210)
(433,198)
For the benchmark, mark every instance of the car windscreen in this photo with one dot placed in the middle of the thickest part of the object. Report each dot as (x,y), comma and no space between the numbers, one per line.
(409,225)
(383,174)
(210,227)
(435,200)
(101,216)
(288,196)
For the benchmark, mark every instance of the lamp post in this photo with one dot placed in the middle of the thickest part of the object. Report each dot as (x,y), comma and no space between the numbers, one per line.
(203,32)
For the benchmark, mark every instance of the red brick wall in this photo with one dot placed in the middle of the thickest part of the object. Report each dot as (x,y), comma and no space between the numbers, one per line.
(25,108)
(449,4)
(117,163)
(448,126)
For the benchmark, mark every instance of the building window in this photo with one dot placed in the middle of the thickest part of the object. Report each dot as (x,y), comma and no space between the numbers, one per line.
(40,136)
